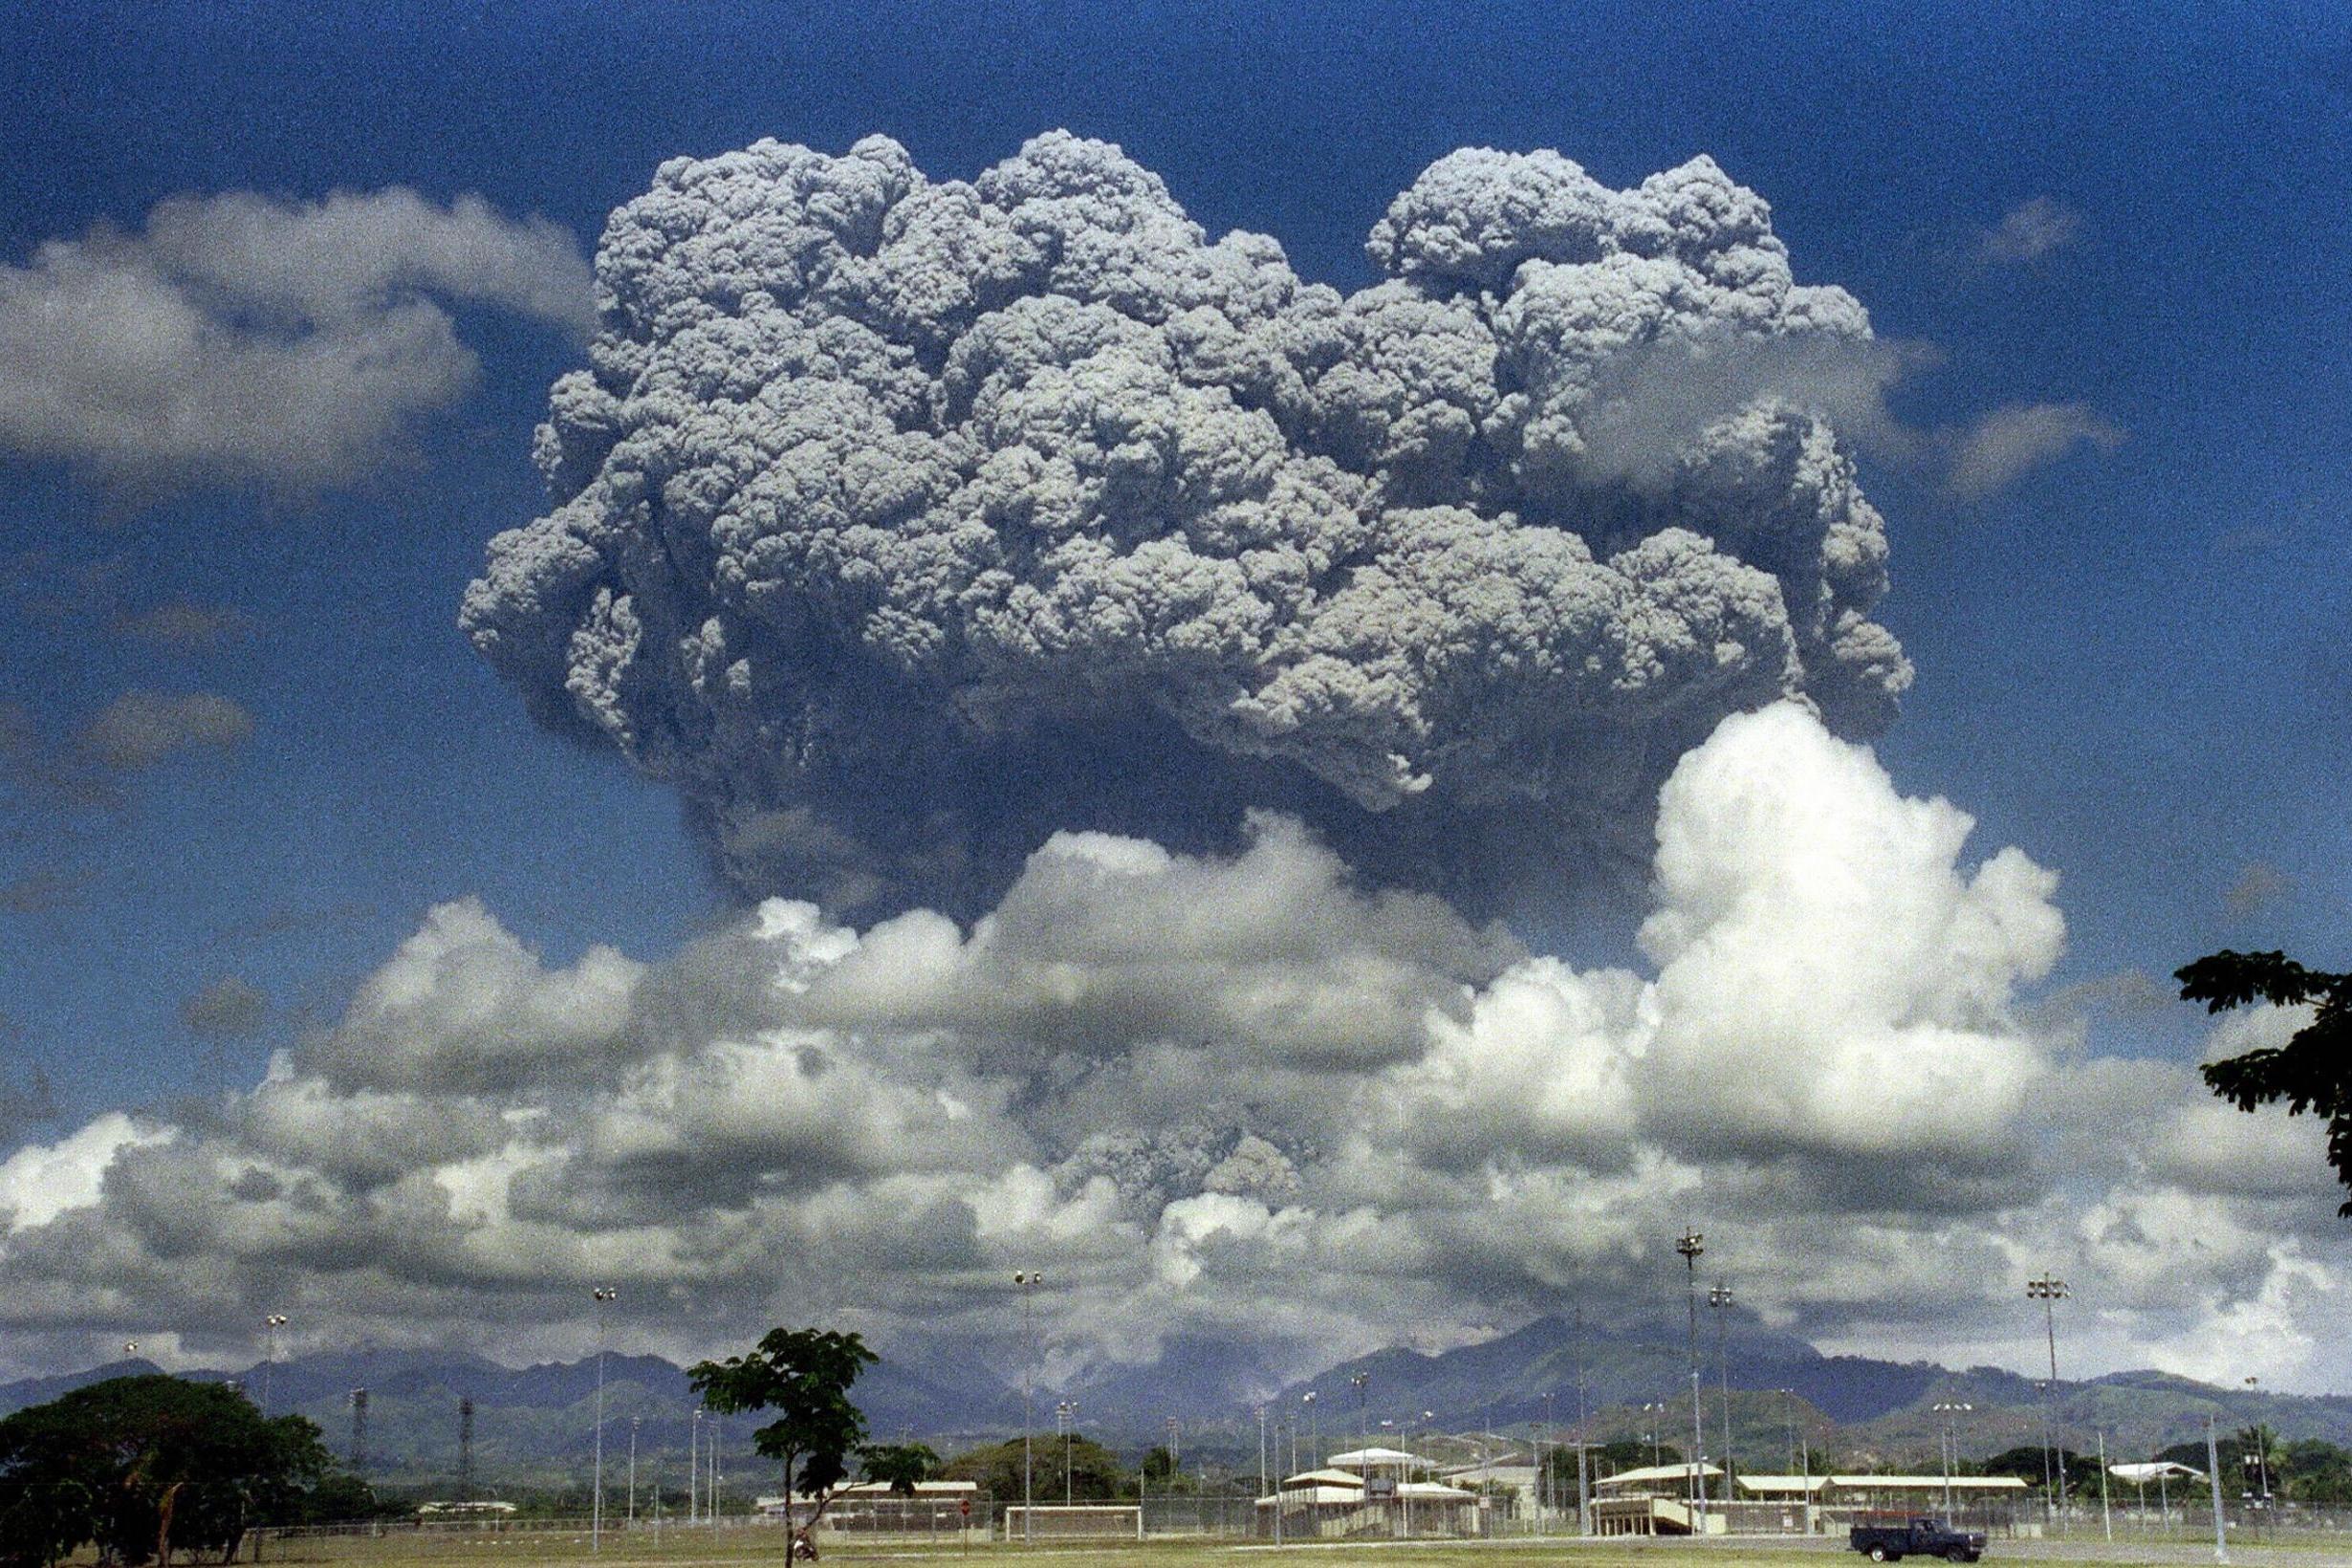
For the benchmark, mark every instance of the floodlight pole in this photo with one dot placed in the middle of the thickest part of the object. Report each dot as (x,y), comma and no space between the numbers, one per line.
(1719,1298)
(1025,1280)
(1690,1245)
(269,1324)
(601,1296)
(633,1420)
(695,1472)
(2050,1290)
(1951,1445)
(1356,1381)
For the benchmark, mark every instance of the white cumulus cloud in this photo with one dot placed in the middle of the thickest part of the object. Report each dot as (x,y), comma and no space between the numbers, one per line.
(242,340)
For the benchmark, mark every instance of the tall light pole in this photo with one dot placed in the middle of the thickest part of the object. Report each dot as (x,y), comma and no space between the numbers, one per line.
(1065,1422)
(1719,1299)
(1356,1381)
(1025,1280)
(270,1326)
(1545,1490)
(2262,1460)
(2050,1290)
(1261,1459)
(1691,1245)
(633,1420)
(694,1471)
(602,1297)
(1315,1431)
(1950,1442)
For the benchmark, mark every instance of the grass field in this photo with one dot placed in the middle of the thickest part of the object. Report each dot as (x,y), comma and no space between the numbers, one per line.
(742,1548)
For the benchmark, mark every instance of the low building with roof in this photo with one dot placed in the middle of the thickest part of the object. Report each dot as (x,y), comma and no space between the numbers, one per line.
(872,1508)
(1366,1491)
(1655,1500)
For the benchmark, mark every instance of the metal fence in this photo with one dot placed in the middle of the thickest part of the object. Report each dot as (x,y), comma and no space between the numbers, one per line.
(942,1523)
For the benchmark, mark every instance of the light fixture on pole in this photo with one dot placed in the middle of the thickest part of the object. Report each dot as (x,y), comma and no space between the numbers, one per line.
(1025,1280)
(2050,1290)
(1315,1431)
(1719,1300)
(270,1326)
(602,1296)
(1065,1422)
(1948,1440)
(1356,1381)
(2262,1460)
(1690,1245)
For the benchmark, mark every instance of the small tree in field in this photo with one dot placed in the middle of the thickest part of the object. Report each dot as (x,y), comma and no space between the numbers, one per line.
(804,1376)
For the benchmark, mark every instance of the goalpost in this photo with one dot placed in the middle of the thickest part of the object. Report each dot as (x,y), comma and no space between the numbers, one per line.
(1075,1521)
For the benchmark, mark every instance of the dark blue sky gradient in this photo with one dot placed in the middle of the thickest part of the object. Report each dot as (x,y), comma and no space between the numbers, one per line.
(2131,665)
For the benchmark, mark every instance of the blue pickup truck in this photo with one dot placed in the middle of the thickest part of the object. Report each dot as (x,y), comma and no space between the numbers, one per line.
(1897,1539)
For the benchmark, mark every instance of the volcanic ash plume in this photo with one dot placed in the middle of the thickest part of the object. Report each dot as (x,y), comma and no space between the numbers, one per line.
(897,522)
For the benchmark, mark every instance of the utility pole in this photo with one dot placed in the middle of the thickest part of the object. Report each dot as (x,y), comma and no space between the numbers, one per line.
(1690,1245)
(2213,1472)
(2106,1516)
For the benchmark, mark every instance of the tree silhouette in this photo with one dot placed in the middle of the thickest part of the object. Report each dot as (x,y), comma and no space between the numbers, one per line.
(2313,1070)
(804,1376)
(142,1465)
(898,1466)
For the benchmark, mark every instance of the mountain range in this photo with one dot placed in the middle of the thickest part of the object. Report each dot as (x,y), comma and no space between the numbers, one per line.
(535,1425)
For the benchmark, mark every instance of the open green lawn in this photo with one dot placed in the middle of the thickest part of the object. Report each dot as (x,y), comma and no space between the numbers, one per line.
(737,1549)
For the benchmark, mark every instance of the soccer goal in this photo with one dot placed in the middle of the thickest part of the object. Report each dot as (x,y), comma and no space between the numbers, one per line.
(1075,1521)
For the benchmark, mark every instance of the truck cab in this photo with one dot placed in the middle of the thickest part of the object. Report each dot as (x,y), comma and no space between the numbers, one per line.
(1894,1539)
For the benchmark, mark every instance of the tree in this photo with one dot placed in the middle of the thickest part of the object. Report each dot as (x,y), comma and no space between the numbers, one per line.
(804,1375)
(2313,1070)
(1096,1474)
(898,1466)
(144,1466)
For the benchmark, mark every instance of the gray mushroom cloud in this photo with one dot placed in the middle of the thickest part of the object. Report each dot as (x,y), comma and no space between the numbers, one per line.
(897,523)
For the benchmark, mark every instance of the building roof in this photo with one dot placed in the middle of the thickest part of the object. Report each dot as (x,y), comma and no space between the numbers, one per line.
(1323,1478)
(1657,1473)
(1362,1458)
(1926,1483)
(2140,1474)
(878,1488)
(1781,1483)
(1352,1494)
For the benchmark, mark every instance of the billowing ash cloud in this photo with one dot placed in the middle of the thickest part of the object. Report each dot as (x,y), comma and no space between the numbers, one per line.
(899,522)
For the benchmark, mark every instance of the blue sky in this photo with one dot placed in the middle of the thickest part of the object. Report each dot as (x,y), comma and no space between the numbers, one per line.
(2129,661)
(2132,658)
